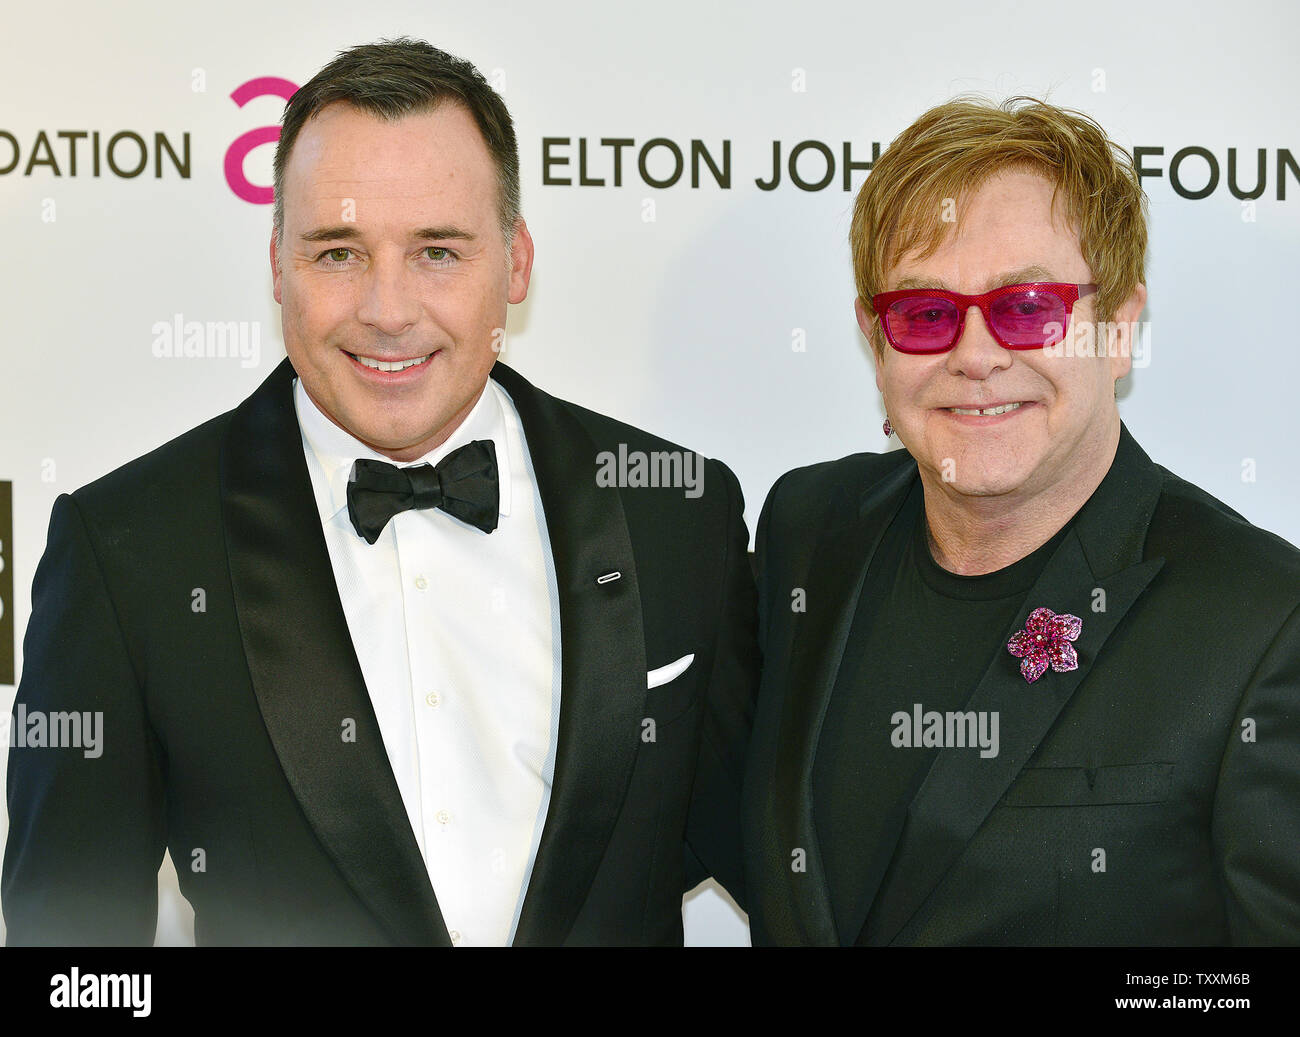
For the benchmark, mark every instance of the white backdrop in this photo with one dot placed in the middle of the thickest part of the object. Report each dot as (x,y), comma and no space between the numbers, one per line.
(679,309)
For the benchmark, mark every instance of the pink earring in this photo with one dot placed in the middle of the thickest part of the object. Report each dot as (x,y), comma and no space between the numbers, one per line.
(887,429)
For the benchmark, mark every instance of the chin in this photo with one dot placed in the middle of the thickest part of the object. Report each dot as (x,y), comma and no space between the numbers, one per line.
(976,479)
(987,487)
(400,439)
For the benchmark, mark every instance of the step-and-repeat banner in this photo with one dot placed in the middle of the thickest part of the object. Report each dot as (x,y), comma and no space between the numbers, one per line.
(688,174)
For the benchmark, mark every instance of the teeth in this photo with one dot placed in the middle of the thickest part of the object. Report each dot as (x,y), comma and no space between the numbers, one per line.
(384,365)
(990,411)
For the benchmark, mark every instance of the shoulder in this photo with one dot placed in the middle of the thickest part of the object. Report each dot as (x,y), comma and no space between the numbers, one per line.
(154,483)
(1203,538)
(633,457)
(605,431)
(803,494)
(609,433)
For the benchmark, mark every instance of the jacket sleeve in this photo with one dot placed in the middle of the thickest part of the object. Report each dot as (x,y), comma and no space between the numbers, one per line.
(86,821)
(713,827)
(1256,826)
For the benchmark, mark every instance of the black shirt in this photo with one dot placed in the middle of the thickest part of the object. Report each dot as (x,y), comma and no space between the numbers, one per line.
(920,635)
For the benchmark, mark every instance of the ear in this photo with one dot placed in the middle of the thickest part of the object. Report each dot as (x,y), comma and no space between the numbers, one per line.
(1125,321)
(521,262)
(275,268)
(865,322)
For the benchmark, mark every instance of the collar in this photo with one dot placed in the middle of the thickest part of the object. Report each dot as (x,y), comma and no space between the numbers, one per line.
(1111,525)
(334,450)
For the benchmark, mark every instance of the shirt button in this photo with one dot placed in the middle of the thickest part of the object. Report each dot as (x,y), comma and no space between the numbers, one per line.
(455,937)
(444,817)
(433,699)
(421,582)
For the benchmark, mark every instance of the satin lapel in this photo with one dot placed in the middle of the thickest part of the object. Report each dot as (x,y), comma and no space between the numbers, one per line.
(1103,550)
(603,661)
(304,671)
(837,569)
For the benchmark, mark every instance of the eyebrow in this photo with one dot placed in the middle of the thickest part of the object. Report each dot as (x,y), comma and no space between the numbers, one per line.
(1027,274)
(349,232)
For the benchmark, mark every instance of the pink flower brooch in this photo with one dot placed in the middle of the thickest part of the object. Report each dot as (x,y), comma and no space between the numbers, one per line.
(1046,639)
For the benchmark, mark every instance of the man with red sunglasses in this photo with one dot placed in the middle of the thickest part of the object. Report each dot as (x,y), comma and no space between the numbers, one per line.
(1021,684)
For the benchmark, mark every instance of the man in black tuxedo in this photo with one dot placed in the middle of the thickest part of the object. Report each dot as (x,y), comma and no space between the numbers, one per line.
(394,652)
(1021,685)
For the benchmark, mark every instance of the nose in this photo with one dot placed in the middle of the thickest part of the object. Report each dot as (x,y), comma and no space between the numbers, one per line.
(977,353)
(388,300)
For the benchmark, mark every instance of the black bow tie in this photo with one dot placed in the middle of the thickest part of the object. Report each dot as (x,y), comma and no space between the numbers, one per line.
(463,484)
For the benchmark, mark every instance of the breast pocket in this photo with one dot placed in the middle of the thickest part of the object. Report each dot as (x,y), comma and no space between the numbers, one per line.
(1091,786)
(1127,848)
(671,690)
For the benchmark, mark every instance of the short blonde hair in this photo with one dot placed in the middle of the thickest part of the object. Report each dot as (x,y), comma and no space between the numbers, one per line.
(951,150)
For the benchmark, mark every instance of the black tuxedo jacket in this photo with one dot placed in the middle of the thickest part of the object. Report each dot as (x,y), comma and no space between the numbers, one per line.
(1174,748)
(222,727)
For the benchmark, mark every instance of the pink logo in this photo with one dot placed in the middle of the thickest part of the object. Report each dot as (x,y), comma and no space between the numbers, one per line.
(242,145)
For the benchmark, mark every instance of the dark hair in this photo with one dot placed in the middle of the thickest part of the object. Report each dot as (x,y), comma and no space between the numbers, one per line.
(395,78)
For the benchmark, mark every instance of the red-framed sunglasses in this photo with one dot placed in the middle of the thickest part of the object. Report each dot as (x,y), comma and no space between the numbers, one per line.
(1019,316)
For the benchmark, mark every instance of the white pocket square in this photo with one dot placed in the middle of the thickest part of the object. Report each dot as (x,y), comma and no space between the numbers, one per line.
(672,671)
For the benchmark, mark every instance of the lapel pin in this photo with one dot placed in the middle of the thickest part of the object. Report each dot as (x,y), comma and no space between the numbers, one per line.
(609,577)
(1046,641)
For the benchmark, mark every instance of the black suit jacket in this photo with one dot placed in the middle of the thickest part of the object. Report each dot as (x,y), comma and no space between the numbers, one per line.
(1143,752)
(222,727)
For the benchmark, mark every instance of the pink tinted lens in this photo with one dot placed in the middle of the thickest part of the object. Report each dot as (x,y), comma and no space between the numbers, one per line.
(922,323)
(1028,317)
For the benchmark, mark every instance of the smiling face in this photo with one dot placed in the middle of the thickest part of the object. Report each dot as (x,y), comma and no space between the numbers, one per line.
(1062,425)
(393,257)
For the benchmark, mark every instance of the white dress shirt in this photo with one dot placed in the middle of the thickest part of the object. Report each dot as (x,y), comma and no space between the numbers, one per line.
(457,633)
